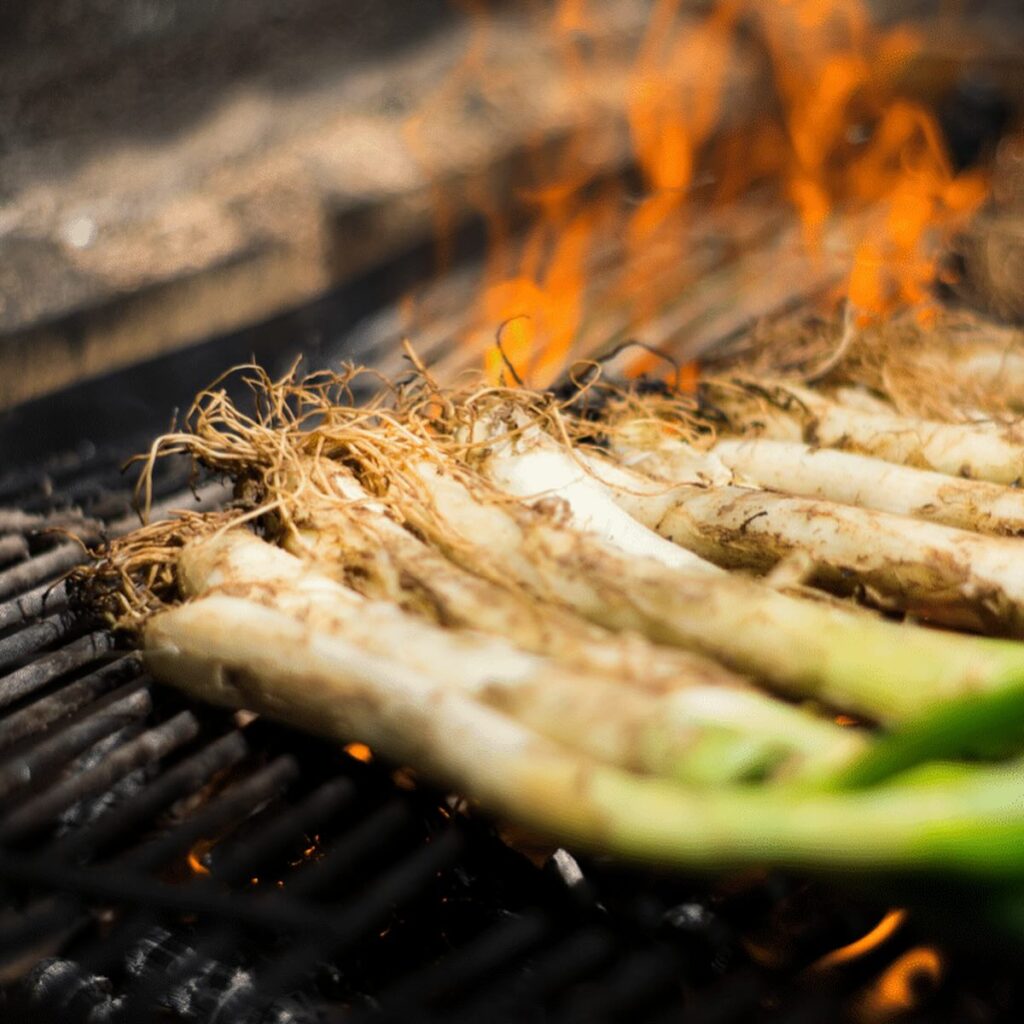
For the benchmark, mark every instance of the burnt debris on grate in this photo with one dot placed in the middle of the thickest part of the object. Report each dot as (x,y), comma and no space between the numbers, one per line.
(162,857)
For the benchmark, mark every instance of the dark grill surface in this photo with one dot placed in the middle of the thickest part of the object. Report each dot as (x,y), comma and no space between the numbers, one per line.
(163,860)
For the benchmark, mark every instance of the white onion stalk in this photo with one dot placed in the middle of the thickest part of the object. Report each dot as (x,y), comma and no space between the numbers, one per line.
(939,573)
(950,576)
(848,659)
(796,468)
(533,466)
(790,412)
(792,467)
(694,732)
(346,534)
(804,648)
(241,654)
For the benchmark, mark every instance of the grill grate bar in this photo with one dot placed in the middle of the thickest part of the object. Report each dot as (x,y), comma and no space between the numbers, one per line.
(95,482)
(44,599)
(362,910)
(229,807)
(217,944)
(358,844)
(272,913)
(13,548)
(352,921)
(42,921)
(67,466)
(242,800)
(44,670)
(70,554)
(32,639)
(17,521)
(41,568)
(44,924)
(327,800)
(185,777)
(577,955)
(42,713)
(637,981)
(203,499)
(499,947)
(144,749)
(60,749)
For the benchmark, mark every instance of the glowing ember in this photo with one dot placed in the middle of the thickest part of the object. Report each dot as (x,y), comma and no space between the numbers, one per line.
(311,851)
(902,985)
(197,855)
(872,940)
(852,156)
(360,751)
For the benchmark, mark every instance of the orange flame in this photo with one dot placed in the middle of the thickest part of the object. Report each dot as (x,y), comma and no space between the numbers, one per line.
(196,856)
(899,988)
(909,167)
(360,751)
(673,107)
(843,145)
(882,931)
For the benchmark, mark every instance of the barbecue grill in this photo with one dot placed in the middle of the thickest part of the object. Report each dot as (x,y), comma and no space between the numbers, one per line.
(163,859)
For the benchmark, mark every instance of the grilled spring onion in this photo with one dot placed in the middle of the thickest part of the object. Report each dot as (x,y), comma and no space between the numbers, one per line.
(690,731)
(237,652)
(949,576)
(652,435)
(940,573)
(352,537)
(847,659)
(318,510)
(790,412)
(796,468)
(850,660)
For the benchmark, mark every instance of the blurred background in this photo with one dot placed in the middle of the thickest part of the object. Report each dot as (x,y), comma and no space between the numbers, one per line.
(173,172)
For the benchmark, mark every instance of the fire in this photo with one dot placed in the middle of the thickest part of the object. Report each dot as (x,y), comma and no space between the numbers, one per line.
(853,158)
(910,168)
(882,932)
(313,850)
(543,301)
(855,144)
(196,857)
(360,751)
(900,987)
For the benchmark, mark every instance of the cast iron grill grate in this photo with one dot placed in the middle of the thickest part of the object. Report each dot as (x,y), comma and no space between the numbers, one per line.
(156,855)
(163,859)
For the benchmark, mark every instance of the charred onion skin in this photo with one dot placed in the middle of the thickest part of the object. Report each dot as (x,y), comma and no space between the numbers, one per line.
(937,573)
(866,482)
(876,668)
(791,412)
